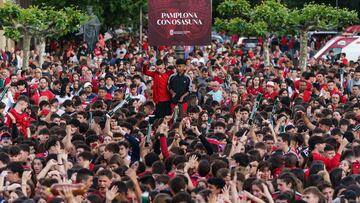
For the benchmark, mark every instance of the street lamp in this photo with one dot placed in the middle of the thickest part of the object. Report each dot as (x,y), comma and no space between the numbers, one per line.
(180,52)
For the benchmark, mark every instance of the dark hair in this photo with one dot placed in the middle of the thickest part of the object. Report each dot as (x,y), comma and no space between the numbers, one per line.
(180,61)
(313,180)
(94,198)
(112,147)
(23,98)
(204,168)
(41,159)
(336,176)
(182,197)
(14,151)
(290,160)
(83,174)
(158,167)
(150,158)
(218,182)
(86,155)
(286,138)
(177,184)
(216,165)
(289,178)
(316,167)
(16,167)
(124,143)
(122,187)
(106,173)
(4,158)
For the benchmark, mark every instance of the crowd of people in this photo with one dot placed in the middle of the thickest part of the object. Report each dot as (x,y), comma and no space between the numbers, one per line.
(127,122)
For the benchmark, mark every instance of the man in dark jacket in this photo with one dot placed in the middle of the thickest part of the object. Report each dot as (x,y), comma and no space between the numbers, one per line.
(179,86)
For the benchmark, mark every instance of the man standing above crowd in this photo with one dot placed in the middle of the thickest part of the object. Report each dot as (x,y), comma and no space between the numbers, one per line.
(161,94)
(179,86)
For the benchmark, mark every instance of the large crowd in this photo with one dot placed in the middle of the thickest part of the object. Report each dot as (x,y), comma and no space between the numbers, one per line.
(128,122)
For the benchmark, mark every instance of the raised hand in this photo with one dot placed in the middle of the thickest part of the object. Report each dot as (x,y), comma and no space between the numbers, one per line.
(66,193)
(111,194)
(52,162)
(68,130)
(226,193)
(193,161)
(131,173)
(26,176)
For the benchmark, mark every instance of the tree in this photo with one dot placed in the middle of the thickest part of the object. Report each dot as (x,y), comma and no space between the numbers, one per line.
(317,17)
(41,23)
(269,17)
(273,17)
(111,13)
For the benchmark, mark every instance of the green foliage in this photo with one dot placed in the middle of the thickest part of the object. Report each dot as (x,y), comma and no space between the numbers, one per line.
(274,17)
(234,8)
(271,16)
(111,13)
(320,16)
(39,22)
(239,17)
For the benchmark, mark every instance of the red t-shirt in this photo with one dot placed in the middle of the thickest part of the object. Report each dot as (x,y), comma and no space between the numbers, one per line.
(270,96)
(46,93)
(330,163)
(22,121)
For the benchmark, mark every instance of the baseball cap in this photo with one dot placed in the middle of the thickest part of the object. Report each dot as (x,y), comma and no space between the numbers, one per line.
(87,84)
(204,69)
(270,84)
(5,136)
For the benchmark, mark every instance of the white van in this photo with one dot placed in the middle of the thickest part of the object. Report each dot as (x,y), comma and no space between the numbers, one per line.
(348,43)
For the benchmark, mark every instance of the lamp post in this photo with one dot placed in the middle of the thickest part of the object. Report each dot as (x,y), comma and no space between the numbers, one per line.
(180,52)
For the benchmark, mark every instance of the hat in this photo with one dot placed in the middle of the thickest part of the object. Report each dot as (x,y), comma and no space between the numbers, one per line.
(270,84)
(314,140)
(204,69)
(5,135)
(87,84)
(34,86)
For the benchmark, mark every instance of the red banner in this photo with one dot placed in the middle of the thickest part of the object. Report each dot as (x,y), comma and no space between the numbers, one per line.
(179,22)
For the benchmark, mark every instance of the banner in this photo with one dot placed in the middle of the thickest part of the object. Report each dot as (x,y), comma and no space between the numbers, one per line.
(179,22)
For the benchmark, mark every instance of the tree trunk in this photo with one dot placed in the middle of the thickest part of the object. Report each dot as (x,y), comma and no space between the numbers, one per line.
(26,49)
(303,50)
(42,46)
(266,52)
